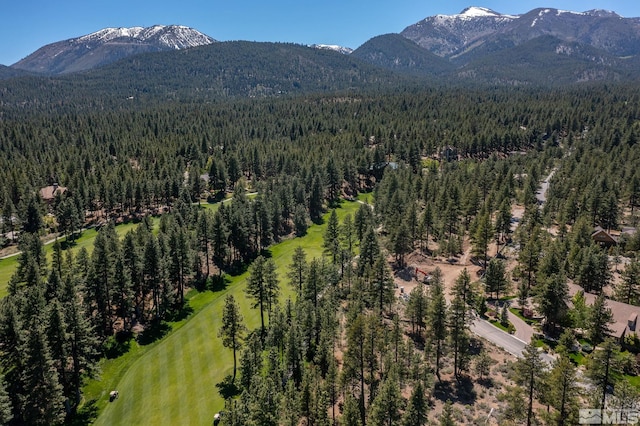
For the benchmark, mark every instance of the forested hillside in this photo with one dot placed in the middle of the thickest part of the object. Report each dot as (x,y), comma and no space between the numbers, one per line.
(445,176)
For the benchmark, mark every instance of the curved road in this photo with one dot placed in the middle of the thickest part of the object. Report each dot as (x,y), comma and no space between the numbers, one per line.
(509,343)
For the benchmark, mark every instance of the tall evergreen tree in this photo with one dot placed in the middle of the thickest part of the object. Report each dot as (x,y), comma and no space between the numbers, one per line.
(495,278)
(552,298)
(527,371)
(564,388)
(598,320)
(6,411)
(437,320)
(417,408)
(482,236)
(459,336)
(257,288)
(628,289)
(603,368)
(297,269)
(43,401)
(232,330)
(331,242)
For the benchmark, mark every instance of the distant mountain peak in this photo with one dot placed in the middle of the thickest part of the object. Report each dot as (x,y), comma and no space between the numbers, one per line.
(473,13)
(334,47)
(109,45)
(476,11)
(602,13)
(172,36)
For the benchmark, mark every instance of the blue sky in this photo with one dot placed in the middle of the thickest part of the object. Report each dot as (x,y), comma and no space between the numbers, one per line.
(26,25)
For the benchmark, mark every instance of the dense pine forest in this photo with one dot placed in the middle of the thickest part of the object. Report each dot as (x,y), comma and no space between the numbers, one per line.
(443,177)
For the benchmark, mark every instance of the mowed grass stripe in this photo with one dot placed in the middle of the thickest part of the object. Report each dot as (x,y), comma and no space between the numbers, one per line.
(179,360)
(209,361)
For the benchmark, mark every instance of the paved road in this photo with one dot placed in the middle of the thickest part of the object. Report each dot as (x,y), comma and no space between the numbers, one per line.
(541,195)
(509,343)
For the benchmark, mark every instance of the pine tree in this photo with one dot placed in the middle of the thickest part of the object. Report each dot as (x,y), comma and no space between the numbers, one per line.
(530,256)
(603,368)
(258,288)
(6,412)
(437,320)
(527,371)
(446,418)
(350,413)
(564,389)
(232,330)
(8,216)
(426,224)
(32,221)
(495,278)
(503,220)
(203,232)
(598,320)
(552,300)
(401,243)
(459,335)
(483,364)
(179,259)
(381,284)
(482,236)
(43,401)
(417,408)
(316,197)
(331,242)
(416,308)
(385,409)
(628,289)
(271,286)
(354,359)
(81,340)
(219,236)
(369,250)
(297,269)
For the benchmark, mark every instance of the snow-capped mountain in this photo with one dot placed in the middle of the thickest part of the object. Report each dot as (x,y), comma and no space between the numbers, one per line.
(334,47)
(445,35)
(481,29)
(109,45)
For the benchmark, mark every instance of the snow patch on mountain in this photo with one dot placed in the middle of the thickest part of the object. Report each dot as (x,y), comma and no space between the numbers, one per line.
(471,14)
(334,47)
(171,36)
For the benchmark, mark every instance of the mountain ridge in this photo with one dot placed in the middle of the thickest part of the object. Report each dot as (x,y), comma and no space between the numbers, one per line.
(109,45)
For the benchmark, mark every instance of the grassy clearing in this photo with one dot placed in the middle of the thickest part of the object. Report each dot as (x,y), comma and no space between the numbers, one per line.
(8,265)
(509,329)
(633,380)
(517,312)
(366,197)
(173,381)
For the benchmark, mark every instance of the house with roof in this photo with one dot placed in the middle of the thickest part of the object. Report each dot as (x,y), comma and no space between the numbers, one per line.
(625,316)
(604,238)
(49,193)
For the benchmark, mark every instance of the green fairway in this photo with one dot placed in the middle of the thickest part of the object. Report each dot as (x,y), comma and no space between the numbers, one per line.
(174,381)
(8,265)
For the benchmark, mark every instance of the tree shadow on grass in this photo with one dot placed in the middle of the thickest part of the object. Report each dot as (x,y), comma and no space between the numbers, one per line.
(118,345)
(227,389)
(155,331)
(86,415)
(218,283)
(180,314)
(68,244)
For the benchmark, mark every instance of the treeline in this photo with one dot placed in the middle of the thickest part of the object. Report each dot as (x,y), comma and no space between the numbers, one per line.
(119,163)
